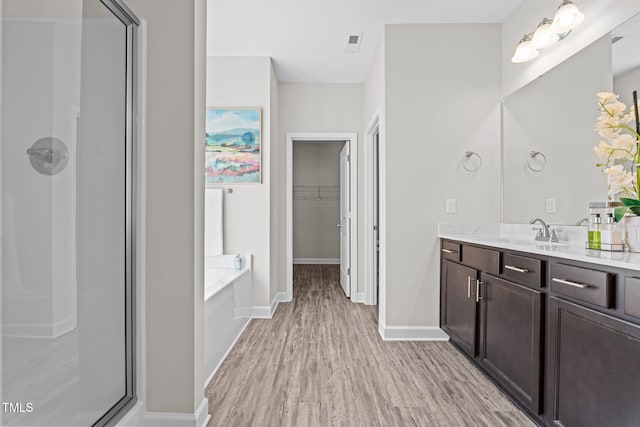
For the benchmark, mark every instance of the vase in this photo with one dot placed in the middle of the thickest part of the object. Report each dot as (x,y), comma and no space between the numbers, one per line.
(632,233)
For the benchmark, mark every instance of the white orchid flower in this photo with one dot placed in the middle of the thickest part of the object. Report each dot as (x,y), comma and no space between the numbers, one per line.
(619,180)
(608,126)
(603,151)
(625,142)
(620,147)
(616,108)
(606,97)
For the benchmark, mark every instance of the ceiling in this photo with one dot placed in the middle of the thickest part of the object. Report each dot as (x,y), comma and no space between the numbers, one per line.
(307,38)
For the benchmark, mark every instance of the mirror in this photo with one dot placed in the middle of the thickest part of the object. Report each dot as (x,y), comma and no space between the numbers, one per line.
(548,130)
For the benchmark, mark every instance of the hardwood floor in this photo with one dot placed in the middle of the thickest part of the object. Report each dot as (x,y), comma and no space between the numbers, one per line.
(321,362)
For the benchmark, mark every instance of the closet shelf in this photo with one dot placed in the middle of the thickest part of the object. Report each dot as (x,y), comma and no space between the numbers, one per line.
(318,193)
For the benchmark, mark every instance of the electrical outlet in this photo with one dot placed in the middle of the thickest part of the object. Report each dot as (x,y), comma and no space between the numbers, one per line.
(451,206)
(551,206)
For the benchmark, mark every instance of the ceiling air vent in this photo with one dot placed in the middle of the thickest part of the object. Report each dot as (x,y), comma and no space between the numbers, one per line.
(353,43)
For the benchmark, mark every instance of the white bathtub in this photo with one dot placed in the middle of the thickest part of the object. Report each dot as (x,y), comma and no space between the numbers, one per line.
(227,307)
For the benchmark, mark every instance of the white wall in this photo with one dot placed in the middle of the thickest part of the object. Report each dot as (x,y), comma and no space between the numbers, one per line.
(556,114)
(438,105)
(41,90)
(601,16)
(315,235)
(246,82)
(319,107)
(174,243)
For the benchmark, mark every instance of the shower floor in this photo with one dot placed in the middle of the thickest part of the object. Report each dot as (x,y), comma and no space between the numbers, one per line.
(44,372)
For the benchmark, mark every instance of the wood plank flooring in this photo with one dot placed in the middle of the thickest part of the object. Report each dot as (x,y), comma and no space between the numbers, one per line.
(321,362)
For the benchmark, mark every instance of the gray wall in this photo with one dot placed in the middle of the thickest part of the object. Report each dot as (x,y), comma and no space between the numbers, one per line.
(174,244)
(436,109)
(315,234)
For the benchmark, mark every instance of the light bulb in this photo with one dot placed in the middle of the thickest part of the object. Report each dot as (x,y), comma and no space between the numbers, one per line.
(524,52)
(544,36)
(567,17)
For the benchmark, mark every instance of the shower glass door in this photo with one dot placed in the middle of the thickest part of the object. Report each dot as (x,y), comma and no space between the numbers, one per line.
(66,211)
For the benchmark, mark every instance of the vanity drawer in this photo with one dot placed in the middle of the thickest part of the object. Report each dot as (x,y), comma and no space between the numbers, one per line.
(592,286)
(632,296)
(450,251)
(525,270)
(485,260)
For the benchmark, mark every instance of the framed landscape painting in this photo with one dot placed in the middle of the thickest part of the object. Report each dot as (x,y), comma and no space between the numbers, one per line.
(233,144)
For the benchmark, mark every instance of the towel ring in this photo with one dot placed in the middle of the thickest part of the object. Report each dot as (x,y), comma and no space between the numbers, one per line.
(531,160)
(468,165)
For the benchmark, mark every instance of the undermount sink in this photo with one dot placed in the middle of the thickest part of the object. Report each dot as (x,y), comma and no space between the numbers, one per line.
(516,241)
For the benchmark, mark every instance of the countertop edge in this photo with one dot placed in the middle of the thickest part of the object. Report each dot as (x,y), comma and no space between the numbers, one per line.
(570,251)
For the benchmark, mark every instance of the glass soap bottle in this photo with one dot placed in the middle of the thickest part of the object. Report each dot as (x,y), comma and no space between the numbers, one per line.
(594,231)
(610,235)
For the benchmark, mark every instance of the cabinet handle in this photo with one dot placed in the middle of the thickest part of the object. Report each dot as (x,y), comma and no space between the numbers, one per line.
(469,287)
(448,251)
(478,297)
(570,283)
(519,270)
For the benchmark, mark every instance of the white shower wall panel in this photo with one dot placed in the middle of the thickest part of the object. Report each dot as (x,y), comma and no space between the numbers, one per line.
(40,96)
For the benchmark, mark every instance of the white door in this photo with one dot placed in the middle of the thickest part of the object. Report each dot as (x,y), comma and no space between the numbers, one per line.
(345,221)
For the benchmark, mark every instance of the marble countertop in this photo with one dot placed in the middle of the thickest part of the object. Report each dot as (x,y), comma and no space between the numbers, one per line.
(521,237)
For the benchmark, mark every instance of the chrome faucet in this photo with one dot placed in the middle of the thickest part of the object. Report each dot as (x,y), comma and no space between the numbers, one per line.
(582,221)
(543,232)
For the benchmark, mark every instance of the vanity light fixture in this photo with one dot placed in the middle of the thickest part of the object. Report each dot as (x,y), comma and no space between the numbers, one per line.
(549,32)
(525,51)
(567,17)
(544,36)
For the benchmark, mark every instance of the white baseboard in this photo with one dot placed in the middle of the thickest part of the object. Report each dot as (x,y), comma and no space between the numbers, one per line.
(133,418)
(411,333)
(243,312)
(202,413)
(199,418)
(64,326)
(359,297)
(316,260)
(39,330)
(264,312)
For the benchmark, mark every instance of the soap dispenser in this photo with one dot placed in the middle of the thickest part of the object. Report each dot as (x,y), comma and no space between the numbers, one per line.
(237,262)
(594,231)
(610,235)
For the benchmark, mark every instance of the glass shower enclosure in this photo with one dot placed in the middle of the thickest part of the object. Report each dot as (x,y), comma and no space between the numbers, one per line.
(67,253)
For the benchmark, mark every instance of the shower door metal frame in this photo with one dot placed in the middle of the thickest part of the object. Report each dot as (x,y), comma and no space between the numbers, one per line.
(132,24)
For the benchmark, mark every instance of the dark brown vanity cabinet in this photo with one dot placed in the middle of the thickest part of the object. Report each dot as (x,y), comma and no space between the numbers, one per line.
(594,368)
(561,337)
(459,306)
(511,319)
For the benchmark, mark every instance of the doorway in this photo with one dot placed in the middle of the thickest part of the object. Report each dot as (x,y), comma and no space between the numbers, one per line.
(347,196)
(372,212)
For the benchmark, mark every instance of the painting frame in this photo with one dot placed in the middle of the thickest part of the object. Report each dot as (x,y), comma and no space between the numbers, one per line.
(233,146)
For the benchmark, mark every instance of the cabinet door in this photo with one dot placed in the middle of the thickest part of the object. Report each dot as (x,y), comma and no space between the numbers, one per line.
(595,368)
(511,332)
(459,305)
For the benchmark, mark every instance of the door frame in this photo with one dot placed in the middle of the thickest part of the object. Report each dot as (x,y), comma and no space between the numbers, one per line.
(318,137)
(369,242)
